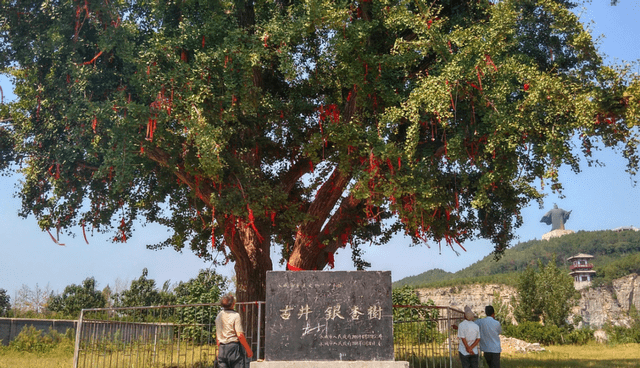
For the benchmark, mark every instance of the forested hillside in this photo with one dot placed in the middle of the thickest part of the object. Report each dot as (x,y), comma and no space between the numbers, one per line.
(616,254)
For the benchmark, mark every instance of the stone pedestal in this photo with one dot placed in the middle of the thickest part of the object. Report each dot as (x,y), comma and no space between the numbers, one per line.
(556,234)
(330,364)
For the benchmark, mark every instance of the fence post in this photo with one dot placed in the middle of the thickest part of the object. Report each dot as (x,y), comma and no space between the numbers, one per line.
(76,350)
(449,336)
(259,328)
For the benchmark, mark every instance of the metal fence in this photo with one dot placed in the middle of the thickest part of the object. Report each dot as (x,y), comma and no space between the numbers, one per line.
(162,336)
(424,336)
(184,336)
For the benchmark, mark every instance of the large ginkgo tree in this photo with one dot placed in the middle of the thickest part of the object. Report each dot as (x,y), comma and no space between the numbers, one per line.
(284,130)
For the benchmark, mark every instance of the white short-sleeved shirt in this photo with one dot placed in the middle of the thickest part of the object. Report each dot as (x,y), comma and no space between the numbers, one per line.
(228,326)
(471,332)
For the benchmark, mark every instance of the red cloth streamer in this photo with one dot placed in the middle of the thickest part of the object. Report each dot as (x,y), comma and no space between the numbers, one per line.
(253,225)
(122,226)
(92,60)
(330,260)
(84,233)
(490,62)
(453,105)
(53,238)
(273,218)
(293,268)
(151,127)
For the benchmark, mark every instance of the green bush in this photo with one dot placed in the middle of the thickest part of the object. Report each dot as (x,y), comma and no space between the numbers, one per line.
(622,335)
(547,334)
(33,340)
(580,336)
(412,323)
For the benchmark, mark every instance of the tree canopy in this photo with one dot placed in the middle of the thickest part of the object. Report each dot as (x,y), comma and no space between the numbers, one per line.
(300,127)
(76,298)
(546,294)
(143,292)
(5,302)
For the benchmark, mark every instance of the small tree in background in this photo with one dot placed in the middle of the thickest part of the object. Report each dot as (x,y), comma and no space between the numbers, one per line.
(545,294)
(32,301)
(143,292)
(408,296)
(5,303)
(77,297)
(557,294)
(206,288)
(413,324)
(503,310)
(527,302)
(107,293)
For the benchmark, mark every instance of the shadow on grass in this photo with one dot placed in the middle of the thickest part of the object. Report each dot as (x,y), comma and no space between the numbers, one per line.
(579,363)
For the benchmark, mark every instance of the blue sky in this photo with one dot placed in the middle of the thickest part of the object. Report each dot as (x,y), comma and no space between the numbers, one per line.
(600,198)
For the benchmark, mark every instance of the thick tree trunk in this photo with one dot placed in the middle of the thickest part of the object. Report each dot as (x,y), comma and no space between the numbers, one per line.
(252,261)
(311,251)
(251,279)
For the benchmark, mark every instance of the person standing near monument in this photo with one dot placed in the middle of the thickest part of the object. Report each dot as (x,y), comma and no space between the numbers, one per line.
(490,331)
(469,338)
(230,336)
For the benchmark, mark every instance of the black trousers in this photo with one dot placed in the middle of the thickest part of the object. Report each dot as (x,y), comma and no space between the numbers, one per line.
(232,355)
(468,361)
(493,359)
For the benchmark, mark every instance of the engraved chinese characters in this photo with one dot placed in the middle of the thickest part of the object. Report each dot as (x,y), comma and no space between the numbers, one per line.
(315,315)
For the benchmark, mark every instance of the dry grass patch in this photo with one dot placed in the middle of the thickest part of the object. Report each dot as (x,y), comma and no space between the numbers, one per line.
(52,359)
(571,356)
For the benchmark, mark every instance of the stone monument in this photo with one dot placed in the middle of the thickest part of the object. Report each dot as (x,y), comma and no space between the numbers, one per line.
(556,217)
(320,319)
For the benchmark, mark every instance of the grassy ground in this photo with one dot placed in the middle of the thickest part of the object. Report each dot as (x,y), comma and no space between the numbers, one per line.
(58,358)
(592,355)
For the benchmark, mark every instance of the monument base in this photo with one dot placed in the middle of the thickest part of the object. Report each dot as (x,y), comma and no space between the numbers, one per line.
(330,364)
(556,234)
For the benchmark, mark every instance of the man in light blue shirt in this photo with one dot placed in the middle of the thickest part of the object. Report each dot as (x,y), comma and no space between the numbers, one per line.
(490,331)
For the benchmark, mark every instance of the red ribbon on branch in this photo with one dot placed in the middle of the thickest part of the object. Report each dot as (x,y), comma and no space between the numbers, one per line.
(293,268)
(54,239)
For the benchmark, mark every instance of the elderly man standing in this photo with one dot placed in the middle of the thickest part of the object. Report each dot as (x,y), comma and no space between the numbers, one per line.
(490,331)
(469,338)
(229,336)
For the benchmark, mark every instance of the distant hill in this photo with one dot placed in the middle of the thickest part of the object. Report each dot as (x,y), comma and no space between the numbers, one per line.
(616,254)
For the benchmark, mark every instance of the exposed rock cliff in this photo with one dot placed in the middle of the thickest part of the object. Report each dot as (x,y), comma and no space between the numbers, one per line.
(596,307)
(475,296)
(627,291)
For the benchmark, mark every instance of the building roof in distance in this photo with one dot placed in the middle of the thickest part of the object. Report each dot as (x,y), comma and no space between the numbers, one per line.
(581,255)
(626,228)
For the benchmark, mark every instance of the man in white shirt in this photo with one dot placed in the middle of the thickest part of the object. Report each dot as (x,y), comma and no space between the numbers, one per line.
(490,331)
(469,338)
(230,336)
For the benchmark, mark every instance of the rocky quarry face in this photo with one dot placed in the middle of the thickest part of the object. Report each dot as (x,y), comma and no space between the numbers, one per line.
(512,345)
(596,307)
